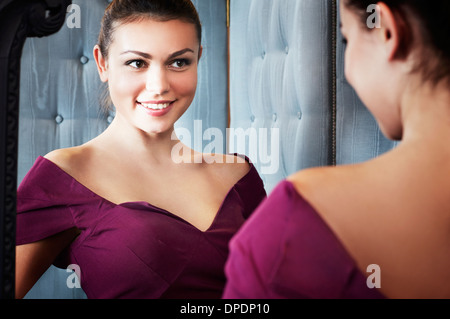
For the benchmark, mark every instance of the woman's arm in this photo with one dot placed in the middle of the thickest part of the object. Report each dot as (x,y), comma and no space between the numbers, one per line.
(33,259)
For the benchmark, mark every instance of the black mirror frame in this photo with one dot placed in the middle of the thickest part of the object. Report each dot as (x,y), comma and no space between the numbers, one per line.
(19,19)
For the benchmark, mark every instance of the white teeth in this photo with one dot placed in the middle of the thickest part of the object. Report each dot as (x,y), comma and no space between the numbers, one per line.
(155,106)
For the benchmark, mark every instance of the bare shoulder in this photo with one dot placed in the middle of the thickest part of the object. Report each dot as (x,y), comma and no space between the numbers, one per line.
(228,167)
(309,178)
(237,164)
(68,159)
(315,184)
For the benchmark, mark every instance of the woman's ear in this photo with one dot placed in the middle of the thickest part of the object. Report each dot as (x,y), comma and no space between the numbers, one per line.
(393,32)
(102,65)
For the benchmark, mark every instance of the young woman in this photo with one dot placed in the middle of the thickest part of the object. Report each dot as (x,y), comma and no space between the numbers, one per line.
(379,229)
(137,222)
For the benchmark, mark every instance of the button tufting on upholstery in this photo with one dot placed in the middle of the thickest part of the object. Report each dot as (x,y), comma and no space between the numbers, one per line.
(252,118)
(263,55)
(274,117)
(84,59)
(59,119)
(286,49)
(299,115)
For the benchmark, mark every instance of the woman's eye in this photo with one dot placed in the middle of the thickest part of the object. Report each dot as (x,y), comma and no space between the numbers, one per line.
(137,64)
(180,63)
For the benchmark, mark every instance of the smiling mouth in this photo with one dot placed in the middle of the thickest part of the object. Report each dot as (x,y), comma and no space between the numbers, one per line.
(155,106)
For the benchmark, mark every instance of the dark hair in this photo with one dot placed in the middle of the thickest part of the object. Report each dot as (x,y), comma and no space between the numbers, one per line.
(126,11)
(433,17)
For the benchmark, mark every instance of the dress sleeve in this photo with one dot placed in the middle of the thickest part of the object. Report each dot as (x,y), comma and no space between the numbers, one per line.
(253,251)
(251,188)
(41,210)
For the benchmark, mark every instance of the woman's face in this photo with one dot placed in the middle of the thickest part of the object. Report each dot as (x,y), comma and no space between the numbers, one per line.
(370,73)
(151,71)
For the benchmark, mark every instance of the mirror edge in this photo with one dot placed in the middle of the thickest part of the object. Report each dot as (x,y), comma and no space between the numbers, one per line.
(19,19)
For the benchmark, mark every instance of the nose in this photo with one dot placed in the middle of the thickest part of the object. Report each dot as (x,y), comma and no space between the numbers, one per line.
(157,81)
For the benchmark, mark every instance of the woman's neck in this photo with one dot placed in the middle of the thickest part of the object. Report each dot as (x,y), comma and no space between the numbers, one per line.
(128,141)
(426,114)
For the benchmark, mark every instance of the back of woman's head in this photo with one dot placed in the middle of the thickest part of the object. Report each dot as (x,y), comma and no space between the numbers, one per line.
(433,19)
(127,11)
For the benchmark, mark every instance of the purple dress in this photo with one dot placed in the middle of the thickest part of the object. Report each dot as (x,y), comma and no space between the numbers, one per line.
(132,250)
(286,251)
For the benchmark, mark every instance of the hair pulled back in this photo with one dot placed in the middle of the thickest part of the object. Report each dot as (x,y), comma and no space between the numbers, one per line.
(433,18)
(127,11)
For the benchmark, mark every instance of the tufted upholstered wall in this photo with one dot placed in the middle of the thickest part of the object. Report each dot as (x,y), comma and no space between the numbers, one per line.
(59,100)
(288,94)
(61,95)
(286,69)
(280,65)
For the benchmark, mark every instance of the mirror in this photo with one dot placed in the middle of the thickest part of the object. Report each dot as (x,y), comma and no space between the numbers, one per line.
(57,95)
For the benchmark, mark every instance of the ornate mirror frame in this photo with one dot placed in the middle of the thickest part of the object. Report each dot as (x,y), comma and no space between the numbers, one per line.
(19,19)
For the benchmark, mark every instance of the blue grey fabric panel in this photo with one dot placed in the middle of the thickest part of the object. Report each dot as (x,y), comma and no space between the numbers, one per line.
(280,58)
(60,98)
(358,135)
(61,95)
(60,89)
(210,105)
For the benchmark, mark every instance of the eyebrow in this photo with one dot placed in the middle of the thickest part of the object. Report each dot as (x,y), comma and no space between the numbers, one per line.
(148,56)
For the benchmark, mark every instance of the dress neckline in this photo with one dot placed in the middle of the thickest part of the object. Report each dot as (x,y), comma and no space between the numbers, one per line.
(144,205)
